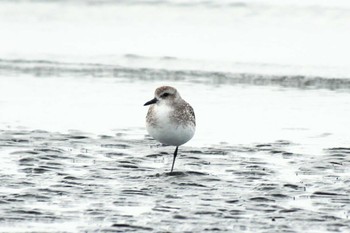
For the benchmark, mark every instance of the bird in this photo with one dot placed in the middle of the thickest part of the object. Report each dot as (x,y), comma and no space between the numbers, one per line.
(170,119)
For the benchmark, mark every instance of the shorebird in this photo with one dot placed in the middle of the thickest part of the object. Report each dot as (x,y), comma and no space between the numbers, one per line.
(170,119)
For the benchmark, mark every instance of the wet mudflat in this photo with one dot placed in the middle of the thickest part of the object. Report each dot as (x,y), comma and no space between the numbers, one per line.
(76,181)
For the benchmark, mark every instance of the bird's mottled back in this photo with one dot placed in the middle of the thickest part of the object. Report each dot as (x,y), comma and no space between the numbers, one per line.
(183,113)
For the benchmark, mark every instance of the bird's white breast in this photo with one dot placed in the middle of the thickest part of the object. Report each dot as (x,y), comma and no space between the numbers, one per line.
(167,130)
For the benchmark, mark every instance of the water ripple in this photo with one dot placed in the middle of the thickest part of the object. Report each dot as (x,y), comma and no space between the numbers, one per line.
(117,184)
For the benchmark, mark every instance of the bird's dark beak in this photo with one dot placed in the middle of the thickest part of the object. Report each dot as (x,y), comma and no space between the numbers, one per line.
(153,101)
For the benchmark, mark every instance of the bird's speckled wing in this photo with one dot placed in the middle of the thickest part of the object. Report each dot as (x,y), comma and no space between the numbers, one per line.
(184,114)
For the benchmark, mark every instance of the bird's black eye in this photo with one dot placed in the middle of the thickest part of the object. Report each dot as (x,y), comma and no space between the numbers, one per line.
(165,95)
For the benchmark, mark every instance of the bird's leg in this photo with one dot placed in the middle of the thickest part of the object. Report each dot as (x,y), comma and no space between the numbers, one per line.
(175,154)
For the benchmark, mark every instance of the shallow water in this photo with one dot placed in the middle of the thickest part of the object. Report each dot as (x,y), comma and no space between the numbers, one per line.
(76,162)
(83,182)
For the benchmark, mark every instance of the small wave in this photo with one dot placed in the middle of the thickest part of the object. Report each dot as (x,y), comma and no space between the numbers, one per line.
(170,3)
(42,68)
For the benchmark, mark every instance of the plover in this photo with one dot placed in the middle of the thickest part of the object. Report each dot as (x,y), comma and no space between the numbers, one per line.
(170,119)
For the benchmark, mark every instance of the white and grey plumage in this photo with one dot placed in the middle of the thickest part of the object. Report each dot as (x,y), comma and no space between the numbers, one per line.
(170,119)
